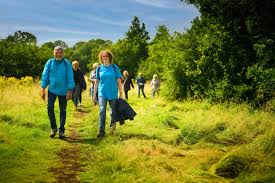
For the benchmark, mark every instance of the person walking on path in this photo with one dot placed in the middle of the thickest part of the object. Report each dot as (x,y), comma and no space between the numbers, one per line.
(58,76)
(155,84)
(92,79)
(80,83)
(141,84)
(108,83)
(127,83)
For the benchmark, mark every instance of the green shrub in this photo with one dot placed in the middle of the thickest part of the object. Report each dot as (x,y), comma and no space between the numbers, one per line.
(230,167)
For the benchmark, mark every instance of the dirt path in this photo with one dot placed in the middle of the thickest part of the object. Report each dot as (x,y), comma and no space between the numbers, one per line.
(69,157)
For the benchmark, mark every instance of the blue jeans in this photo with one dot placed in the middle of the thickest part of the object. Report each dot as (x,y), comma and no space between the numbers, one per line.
(142,90)
(102,114)
(76,94)
(62,107)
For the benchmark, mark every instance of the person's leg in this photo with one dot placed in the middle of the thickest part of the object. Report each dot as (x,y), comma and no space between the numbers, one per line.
(50,108)
(112,104)
(92,92)
(76,95)
(139,91)
(126,94)
(62,107)
(142,89)
(80,96)
(102,114)
(153,93)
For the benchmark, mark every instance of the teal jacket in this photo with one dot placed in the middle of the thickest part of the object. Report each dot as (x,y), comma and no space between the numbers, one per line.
(58,75)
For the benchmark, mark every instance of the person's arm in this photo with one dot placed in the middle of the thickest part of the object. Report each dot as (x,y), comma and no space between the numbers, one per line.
(96,83)
(118,78)
(119,84)
(131,83)
(95,91)
(45,79)
(70,80)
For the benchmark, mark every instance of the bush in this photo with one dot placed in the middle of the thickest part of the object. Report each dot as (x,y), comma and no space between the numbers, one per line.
(230,167)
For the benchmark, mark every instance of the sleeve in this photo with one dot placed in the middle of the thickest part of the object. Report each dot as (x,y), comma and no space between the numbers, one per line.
(84,85)
(96,73)
(91,75)
(70,76)
(118,73)
(45,75)
(131,83)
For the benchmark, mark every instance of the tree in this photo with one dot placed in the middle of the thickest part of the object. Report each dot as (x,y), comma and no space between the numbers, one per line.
(22,37)
(130,51)
(137,31)
(156,63)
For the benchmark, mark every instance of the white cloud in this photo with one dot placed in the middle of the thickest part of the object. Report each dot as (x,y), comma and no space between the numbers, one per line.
(107,21)
(55,30)
(155,18)
(155,3)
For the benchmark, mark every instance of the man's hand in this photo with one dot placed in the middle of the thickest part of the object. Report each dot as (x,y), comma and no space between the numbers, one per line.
(43,95)
(69,95)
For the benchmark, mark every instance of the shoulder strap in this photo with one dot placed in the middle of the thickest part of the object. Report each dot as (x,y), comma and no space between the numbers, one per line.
(114,67)
(98,70)
(66,65)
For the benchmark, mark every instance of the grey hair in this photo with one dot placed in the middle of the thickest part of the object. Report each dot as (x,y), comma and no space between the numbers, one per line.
(58,48)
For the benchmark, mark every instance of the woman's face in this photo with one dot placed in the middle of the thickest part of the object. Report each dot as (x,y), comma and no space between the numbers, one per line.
(105,58)
(75,67)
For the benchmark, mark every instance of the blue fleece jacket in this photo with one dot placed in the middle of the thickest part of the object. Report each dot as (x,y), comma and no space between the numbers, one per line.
(58,75)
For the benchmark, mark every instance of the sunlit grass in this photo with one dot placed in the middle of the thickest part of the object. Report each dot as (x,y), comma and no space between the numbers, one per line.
(167,142)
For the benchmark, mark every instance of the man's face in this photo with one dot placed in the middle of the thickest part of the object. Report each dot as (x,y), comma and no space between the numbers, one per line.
(58,54)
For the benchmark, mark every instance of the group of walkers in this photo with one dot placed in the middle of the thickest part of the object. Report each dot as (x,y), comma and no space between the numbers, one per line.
(65,81)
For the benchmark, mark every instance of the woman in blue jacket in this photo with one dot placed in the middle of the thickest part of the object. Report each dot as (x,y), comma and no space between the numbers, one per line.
(107,84)
(58,75)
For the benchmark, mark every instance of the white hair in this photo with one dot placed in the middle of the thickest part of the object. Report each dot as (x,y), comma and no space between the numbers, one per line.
(58,48)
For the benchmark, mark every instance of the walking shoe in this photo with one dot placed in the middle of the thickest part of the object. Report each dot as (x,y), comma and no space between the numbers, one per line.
(100,135)
(112,129)
(53,132)
(61,135)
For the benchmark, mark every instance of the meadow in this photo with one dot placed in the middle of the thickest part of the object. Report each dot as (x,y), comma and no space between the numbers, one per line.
(168,141)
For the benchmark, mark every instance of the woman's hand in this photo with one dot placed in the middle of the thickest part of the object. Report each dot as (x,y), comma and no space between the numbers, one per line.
(120,95)
(94,99)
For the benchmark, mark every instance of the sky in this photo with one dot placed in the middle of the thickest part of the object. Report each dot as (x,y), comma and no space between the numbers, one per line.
(81,20)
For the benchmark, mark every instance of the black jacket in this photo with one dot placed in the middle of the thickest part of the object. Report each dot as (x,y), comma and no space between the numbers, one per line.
(123,111)
(141,81)
(127,83)
(79,79)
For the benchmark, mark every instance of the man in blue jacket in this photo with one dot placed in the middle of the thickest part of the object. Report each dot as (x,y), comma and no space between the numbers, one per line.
(58,75)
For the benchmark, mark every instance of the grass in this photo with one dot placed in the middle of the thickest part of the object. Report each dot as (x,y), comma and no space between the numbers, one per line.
(167,142)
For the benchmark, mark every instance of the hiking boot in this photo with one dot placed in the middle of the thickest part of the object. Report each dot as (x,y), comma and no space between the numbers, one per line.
(100,135)
(112,129)
(61,135)
(53,132)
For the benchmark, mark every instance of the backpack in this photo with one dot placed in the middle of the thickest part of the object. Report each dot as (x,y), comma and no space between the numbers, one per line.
(98,70)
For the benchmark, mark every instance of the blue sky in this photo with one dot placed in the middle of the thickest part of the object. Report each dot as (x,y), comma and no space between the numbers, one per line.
(82,20)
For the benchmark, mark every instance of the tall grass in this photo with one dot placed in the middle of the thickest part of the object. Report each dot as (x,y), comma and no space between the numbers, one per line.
(26,150)
(188,141)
